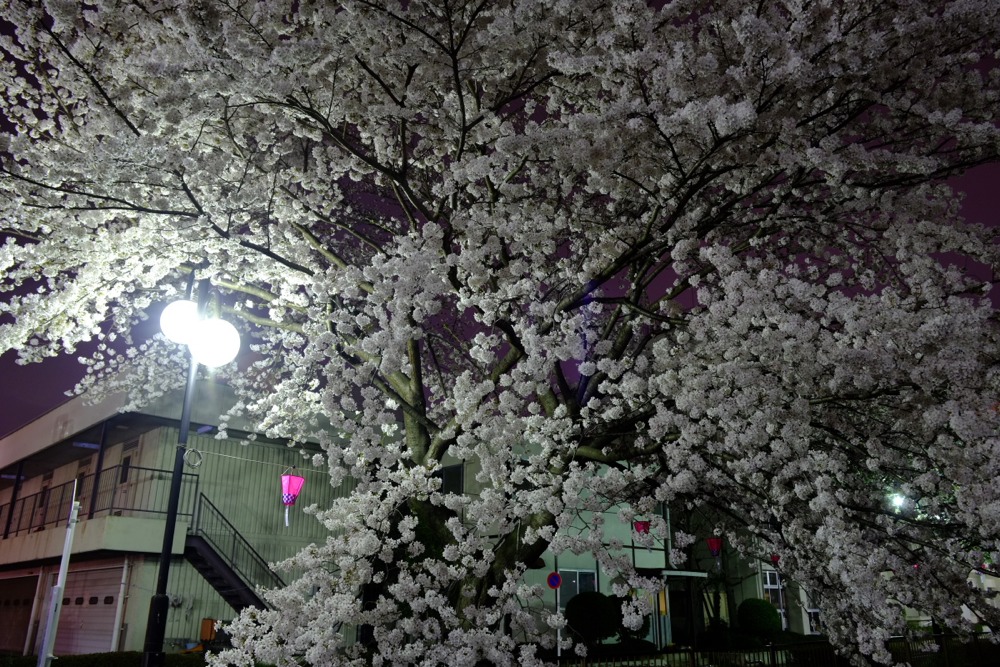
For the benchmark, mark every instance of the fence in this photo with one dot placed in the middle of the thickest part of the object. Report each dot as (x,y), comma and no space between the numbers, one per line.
(118,490)
(923,651)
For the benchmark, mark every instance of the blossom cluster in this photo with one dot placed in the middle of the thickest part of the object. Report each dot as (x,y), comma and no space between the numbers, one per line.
(607,257)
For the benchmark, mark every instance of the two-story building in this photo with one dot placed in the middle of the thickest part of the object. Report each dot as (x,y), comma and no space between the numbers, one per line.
(119,466)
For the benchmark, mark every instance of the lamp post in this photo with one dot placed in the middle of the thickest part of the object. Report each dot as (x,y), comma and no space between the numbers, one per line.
(715,548)
(212,342)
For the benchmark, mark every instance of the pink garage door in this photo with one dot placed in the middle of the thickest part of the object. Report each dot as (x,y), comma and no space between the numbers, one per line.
(87,620)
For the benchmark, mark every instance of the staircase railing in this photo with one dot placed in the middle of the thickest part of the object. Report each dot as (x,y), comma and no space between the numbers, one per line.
(234,549)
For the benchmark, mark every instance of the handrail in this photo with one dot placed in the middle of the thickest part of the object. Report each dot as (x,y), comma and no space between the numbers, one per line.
(215,528)
(118,490)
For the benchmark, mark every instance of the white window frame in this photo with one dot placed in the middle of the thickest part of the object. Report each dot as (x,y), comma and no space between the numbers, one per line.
(571,584)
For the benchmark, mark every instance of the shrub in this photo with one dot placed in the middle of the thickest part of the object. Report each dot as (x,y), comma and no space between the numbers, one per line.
(121,659)
(758,617)
(628,648)
(593,616)
(717,636)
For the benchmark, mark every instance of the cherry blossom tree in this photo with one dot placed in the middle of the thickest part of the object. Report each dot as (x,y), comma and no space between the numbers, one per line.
(604,254)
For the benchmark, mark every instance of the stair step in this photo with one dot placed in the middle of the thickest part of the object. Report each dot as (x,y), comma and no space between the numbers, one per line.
(220,575)
(216,567)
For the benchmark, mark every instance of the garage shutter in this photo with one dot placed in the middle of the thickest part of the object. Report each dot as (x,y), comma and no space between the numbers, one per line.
(87,620)
(16,597)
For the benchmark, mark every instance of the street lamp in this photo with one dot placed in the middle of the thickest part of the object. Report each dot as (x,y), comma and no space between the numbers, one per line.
(211,342)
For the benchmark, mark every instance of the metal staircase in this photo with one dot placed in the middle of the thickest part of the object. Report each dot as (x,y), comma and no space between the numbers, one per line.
(226,559)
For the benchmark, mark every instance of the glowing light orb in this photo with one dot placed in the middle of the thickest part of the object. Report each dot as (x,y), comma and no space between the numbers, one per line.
(214,342)
(178,321)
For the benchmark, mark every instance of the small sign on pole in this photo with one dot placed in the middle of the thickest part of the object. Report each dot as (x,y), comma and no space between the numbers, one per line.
(554,580)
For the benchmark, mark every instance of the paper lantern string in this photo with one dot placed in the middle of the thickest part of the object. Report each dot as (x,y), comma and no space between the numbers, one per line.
(291,486)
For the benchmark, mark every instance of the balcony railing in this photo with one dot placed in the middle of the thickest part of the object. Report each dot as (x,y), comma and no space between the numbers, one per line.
(115,491)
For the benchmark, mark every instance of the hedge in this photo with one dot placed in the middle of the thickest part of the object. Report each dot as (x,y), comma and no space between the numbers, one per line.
(123,659)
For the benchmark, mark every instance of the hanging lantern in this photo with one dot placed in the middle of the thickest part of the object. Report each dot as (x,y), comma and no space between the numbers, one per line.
(714,545)
(641,526)
(291,486)
(774,559)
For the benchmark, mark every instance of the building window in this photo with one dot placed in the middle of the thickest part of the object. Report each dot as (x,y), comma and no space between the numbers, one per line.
(774,594)
(815,624)
(576,581)
(126,467)
(452,479)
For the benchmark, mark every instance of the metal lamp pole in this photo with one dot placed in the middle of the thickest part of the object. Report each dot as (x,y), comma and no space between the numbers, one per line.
(159,605)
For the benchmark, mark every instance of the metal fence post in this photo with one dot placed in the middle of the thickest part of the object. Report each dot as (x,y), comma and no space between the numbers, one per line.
(944,649)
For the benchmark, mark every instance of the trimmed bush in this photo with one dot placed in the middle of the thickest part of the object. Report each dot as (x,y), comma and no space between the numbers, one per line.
(758,617)
(123,659)
(593,616)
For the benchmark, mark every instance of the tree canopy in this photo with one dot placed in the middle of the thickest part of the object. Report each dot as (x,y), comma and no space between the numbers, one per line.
(605,254)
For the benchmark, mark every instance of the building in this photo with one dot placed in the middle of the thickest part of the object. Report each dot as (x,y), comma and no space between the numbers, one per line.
(231,525)
(689,597)
(118,467)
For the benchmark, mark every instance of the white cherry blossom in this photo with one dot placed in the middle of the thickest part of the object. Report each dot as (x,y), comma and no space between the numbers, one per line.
(602,254)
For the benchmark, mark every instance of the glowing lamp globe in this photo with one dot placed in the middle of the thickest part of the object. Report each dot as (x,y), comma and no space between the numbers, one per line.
(178,321)
(215,342)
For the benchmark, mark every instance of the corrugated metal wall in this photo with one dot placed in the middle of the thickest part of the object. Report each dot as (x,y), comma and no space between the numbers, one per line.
(244,482)
(195,599)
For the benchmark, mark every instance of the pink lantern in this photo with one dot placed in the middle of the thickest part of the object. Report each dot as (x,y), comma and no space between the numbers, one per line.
(291,486)
(641,526)
(714,545)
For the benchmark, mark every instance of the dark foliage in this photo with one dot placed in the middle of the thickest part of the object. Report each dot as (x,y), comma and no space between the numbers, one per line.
(594,616)
(758,617)
(122,659)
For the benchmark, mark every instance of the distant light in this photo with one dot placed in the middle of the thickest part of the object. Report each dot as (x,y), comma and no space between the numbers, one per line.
(178,321)
(897,500)
(214,342)
(86,445)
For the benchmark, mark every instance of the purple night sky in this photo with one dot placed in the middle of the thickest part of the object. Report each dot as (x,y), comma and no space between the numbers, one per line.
(27,392)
